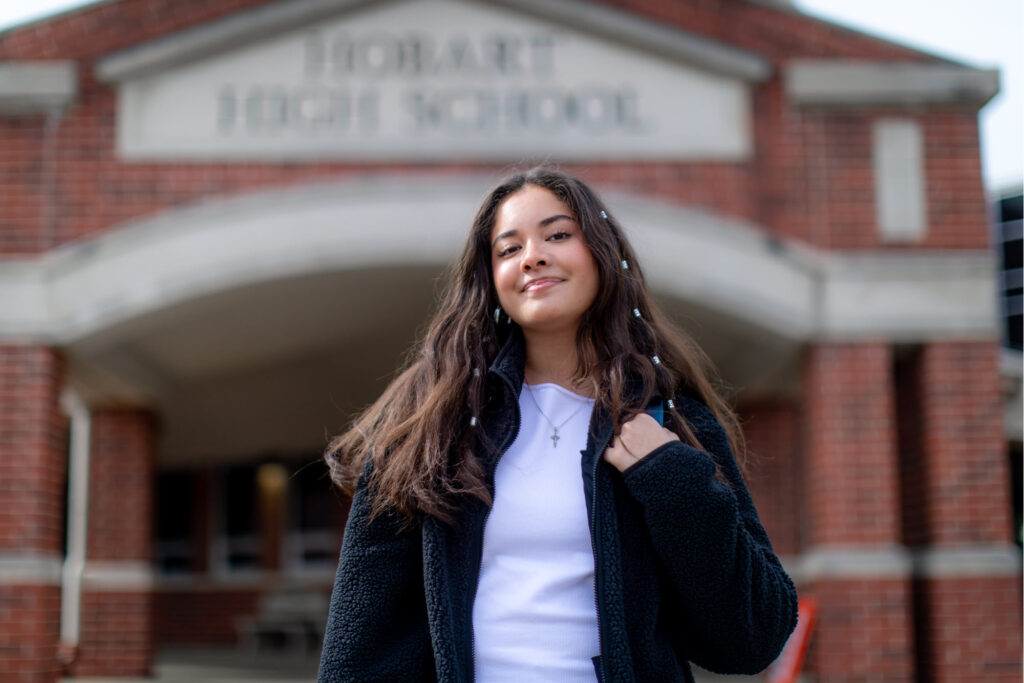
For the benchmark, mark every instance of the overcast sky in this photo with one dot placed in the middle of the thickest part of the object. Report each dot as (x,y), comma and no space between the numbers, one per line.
(980,33)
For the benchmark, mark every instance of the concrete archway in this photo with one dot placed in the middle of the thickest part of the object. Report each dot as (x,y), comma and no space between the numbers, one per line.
(248,320)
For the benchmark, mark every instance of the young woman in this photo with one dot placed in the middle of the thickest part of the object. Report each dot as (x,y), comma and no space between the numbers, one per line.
(548,491)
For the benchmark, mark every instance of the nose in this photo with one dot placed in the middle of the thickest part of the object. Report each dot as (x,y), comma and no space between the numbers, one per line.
(534,255)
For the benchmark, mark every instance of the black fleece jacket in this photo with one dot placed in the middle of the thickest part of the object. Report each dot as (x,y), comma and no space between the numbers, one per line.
(684,571)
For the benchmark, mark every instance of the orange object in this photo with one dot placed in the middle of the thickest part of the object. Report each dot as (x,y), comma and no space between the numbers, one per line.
(787,667)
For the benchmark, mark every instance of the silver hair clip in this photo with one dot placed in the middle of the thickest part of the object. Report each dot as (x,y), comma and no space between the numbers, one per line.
(655,360)
(604,215)
(473,421)
(636,312)
(671,404)
(625,264)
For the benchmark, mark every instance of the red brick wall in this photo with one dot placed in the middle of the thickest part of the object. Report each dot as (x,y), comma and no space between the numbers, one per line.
(116,635)
(121,486)
(865,628)
(772,470)
(32,484)
(116,631)
(863,633)
(809,179)
(913,461)
(203,619)
(33,435)
(973,629)
(29,629)
(852,484)
(969,626)
(968,472)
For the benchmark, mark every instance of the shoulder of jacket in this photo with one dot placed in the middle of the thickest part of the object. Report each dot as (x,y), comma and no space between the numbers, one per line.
(696,412)
(704,424)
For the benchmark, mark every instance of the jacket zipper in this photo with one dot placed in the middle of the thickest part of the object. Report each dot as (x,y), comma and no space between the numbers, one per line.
(597,569)
(480,551)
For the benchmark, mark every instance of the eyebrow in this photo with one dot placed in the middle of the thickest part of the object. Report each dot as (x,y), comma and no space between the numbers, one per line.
(544,223)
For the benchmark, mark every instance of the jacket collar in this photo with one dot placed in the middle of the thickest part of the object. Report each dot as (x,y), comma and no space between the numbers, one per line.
(510,362)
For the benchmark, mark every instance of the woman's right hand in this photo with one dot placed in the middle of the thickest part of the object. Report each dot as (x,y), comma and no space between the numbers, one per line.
(640,435)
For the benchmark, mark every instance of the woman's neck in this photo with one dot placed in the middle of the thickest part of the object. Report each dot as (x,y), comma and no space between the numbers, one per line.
(552,358)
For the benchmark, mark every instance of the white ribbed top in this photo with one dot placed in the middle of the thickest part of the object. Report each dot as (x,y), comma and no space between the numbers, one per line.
(534,618)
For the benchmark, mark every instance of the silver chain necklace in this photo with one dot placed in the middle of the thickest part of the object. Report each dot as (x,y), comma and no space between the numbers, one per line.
(554,435)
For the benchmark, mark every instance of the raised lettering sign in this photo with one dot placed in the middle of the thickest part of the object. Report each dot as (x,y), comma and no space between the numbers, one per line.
(433,79)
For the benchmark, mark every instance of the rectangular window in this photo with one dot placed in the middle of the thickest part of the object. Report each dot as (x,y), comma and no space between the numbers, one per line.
(175,541)
(242,543)
(313,540)
(898,157)
(1010,234)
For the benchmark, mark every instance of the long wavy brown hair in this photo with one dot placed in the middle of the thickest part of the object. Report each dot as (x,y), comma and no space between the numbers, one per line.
(424,456)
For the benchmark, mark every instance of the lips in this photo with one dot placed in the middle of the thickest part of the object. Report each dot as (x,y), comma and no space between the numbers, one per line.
(540,284)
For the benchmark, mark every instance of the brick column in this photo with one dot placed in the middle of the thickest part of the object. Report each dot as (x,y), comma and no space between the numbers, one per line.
(116,631)
(969,579)
(32,492)
(853,562)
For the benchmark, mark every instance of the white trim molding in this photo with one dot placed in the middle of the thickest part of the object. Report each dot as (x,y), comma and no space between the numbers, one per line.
(720,263)
(854,82)
(835,563)
(29,569)
(953,563)
(28,87)
(839,562)
(118,576)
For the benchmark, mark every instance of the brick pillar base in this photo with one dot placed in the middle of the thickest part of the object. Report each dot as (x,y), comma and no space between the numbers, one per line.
(863,630)
(969,588)
(972,632)
(32,491)
(855,566)
(29,630)
(117,632)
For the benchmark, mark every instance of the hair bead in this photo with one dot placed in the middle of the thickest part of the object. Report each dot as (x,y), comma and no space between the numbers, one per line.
(473,421)
(636,313)
(671,404)
(476,372)
(604,215)
(625,264)
(655,360)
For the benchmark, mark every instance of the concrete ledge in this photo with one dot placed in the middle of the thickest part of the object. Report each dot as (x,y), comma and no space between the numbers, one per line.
(935,563)
(794,291)
(828,563)
(245,581)
(117,577)
(907,296)
(841,82)
(30,570)
(32,87)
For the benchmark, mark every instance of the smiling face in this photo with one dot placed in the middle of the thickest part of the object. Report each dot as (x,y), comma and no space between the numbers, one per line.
(545,276)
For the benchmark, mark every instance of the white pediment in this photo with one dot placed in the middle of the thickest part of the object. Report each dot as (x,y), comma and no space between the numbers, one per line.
(435,80)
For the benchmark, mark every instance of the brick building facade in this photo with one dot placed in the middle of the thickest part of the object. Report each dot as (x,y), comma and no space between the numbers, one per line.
(208,261)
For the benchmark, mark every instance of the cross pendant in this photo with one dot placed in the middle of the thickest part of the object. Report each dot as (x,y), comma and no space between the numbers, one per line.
(555,438)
